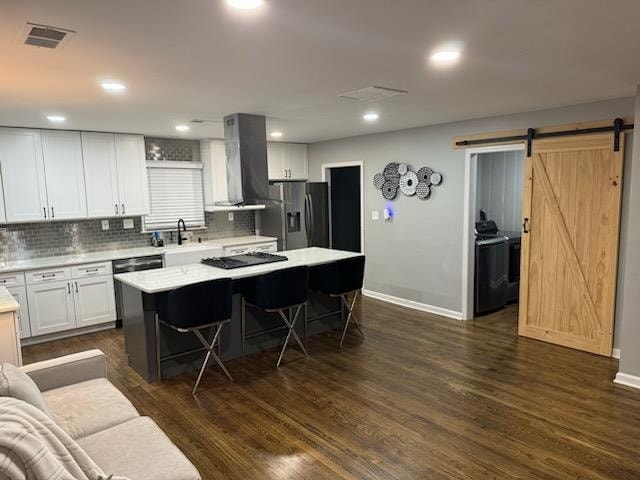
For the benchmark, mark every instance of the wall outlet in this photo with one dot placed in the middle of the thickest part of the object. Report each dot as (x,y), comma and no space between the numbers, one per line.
(230,216)
(375,215)
(105,224)
(127,223)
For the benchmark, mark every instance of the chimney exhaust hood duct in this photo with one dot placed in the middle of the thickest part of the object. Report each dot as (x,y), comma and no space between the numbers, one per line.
(245,137)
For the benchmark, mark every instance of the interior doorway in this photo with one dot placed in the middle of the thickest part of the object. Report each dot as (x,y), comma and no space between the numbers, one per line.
(345,205)
(492,228)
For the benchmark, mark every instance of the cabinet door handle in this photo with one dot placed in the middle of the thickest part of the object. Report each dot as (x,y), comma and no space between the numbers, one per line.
(124,212)
(525,226)
(76,286)
(68,288)
(53,213)
(44,209)
(115,208)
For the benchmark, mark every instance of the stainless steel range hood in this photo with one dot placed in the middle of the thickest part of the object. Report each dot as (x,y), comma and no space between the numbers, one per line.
(245,137)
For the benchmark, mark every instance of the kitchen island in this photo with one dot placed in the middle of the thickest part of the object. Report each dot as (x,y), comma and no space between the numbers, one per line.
(264,330)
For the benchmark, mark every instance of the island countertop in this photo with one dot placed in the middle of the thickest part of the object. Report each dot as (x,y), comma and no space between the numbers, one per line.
(165,279)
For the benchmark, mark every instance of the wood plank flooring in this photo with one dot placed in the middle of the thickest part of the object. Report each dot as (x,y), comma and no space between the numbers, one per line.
(423,397)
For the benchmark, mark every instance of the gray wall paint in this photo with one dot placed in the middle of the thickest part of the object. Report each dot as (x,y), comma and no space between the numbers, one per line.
(418,256)
(629,287)
(500,180)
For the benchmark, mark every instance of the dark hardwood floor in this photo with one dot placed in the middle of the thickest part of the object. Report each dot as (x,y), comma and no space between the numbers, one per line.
(422,397)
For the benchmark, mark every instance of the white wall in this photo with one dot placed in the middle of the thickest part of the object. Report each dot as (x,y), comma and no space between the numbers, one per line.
(628,307)
(500,180)
(418,257)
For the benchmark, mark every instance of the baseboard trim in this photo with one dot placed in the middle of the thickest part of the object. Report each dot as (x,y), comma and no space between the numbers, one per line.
(413,305)
(627,380)
(615,353)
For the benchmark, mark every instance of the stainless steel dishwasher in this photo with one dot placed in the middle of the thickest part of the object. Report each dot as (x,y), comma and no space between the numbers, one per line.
(132,265)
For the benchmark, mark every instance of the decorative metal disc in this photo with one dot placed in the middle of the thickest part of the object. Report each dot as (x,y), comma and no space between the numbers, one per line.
(389,190)
(378,180)
(391,172)
(436,178)
(402,168)
(424,175)
(408,183)
(423,190)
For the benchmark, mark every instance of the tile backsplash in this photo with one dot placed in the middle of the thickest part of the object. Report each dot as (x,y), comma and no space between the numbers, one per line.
(172,149)
(48,239)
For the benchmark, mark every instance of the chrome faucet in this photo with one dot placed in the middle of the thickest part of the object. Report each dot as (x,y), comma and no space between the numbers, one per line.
(184,229)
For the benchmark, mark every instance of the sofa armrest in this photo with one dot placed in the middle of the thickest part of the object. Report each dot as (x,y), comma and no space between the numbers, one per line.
(67,370)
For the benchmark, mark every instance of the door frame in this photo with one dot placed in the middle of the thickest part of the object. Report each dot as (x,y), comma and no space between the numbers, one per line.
(468,220)
(325,167)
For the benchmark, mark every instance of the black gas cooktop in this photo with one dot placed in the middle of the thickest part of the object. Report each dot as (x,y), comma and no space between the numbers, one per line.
(246,260)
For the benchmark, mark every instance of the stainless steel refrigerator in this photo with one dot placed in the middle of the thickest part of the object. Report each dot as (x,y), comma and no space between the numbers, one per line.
(299,215)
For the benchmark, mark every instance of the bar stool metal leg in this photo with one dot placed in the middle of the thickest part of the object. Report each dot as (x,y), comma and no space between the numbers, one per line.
(210,353)
(292,332)
(243,316)
(350,315)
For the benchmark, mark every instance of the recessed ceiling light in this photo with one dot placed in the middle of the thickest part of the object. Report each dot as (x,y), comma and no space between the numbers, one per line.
(182,128)
(245,4)
(113,86)
(445,57)
(370,117)
(276,134)
(56,118)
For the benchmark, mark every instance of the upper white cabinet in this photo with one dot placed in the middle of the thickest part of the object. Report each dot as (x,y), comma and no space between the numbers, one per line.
(101,176)
(22,166)
(214,171)
(287,161)
(116,176)
(132,175)
(3,216)
(64,174)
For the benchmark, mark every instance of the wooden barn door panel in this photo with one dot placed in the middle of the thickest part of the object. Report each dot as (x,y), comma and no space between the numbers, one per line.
(570,253)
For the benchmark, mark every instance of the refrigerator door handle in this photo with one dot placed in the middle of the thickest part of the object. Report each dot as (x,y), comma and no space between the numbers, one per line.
(311,218)
(307,220)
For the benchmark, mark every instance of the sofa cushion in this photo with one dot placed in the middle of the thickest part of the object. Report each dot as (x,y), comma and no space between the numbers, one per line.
(17,384)
(85,408)
(139,450)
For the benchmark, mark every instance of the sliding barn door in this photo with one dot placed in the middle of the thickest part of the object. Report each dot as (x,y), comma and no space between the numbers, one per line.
(571,208)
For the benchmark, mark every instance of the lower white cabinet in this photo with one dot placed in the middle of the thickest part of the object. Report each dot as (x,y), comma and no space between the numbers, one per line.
(20,294)
(267,247)
(51,307)
(69,298)
(94,300)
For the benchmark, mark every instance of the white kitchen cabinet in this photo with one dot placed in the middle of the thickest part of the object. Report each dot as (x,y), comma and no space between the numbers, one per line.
(20,294)
(101,175)
(132,175)
(64,174)
(267,247)
(94,300)
(287,161)
(23,175)
(51,307)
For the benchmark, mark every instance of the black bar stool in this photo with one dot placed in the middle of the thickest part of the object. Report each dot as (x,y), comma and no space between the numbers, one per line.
(278,291)
(340,279)
(191,309)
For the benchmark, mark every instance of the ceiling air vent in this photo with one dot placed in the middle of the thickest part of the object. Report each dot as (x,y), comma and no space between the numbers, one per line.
(200,121)
(45,36)
(372,94)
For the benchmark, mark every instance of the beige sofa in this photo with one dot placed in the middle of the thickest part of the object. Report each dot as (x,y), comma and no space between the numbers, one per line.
(103,422)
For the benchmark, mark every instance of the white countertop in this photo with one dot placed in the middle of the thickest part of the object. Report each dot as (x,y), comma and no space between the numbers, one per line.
(109,255)
(154,281)
(7,302)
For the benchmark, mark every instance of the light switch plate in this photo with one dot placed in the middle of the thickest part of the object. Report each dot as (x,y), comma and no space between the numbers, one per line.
(105,224)
(375,215)
(127,223)
(230,216)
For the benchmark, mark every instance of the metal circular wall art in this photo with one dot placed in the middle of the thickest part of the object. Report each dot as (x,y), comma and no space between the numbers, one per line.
(399,176)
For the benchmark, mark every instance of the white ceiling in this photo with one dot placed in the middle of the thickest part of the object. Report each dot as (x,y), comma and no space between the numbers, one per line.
(289,61)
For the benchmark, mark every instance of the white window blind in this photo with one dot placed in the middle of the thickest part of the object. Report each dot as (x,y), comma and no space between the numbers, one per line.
(175,190)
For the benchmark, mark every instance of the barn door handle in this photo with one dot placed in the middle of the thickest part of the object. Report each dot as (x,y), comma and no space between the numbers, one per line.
(525,226)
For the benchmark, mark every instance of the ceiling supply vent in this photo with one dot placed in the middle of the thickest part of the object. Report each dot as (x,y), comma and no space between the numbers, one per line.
(45,36)
(372,94)
(200,121)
